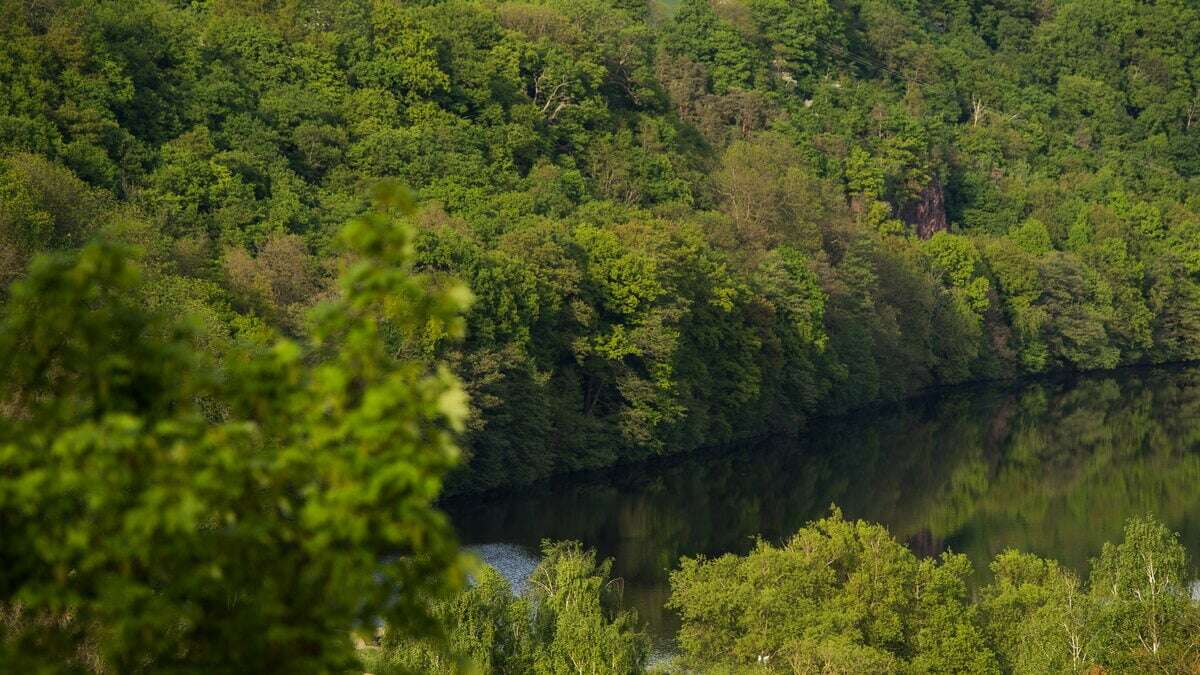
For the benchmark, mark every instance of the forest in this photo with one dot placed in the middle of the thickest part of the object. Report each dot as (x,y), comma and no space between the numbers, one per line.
(684,225)
(278,275)
(838,597)
(1054,466)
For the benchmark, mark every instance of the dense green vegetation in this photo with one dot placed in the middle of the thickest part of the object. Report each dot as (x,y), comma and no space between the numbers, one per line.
(1053,466)
(569,621)
(844,597)
(165,512)
(684,225)
(841,597)
(225,414)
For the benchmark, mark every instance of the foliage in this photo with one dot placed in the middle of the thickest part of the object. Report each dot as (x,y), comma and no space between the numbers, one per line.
(162,511)
(844,597)
(838,597)
(687,223)
(570,621)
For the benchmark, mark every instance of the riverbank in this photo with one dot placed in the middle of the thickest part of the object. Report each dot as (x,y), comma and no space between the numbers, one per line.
(1052,465)
(657,462)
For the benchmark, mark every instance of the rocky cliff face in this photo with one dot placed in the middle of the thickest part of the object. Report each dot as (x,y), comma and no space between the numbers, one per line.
(927,213)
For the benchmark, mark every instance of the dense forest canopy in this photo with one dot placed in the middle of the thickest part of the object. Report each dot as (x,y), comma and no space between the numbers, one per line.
(231,385)
(685,223)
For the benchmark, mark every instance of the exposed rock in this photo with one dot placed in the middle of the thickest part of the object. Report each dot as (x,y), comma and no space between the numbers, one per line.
(928,212)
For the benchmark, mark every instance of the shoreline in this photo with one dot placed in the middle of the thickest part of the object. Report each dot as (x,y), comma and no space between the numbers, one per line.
(719,449)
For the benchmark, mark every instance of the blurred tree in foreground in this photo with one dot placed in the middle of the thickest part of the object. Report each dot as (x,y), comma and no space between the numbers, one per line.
(162,512)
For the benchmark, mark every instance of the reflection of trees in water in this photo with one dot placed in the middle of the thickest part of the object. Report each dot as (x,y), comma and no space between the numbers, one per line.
(1078,462)
(1052,467)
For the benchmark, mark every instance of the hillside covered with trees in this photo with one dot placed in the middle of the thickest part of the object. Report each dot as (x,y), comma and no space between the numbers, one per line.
(684,223)
(239,359)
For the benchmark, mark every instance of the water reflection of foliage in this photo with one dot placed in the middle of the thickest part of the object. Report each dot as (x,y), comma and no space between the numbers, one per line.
(1054,467)
(1077,461)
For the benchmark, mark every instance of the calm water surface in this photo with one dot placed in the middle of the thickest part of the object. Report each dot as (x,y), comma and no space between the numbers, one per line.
(1053,467)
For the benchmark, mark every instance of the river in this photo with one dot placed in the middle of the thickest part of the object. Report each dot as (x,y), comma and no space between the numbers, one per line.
(1052,466)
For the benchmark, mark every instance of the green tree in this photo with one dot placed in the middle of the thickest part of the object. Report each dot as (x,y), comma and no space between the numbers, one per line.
(161,511)
(840,596)
(697,31)
(487,630)
(578,622)
(570,620)
(1136,616)
(1038,616)
(1146,618)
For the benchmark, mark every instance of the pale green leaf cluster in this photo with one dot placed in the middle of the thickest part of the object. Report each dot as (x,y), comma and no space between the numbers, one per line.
(845,597)
(164,511)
